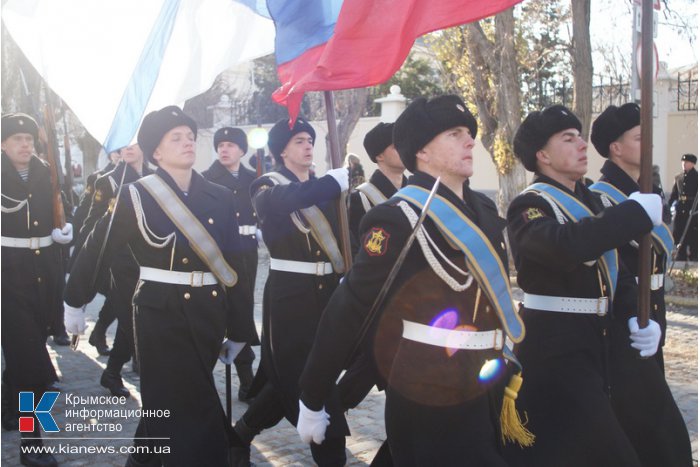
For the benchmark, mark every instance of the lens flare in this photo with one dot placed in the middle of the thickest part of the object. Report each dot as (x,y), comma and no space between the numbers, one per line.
(448,319)
(490,370)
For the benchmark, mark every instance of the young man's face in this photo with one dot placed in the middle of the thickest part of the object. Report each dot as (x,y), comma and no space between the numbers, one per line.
(565,154)
(299,152)
(229,153)
(450,153)
(176,149)
(19,148)
(132,154)
(390,157)
(687,165)
(627,150)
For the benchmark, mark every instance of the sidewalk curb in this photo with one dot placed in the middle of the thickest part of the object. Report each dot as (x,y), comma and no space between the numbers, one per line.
(681,301)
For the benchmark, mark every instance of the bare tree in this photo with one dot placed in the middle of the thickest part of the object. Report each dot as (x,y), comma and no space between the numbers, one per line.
(582,62)
(484,69)
(350,105)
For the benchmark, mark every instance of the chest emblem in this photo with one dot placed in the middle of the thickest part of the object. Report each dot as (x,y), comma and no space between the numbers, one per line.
(377,242)
(98,196)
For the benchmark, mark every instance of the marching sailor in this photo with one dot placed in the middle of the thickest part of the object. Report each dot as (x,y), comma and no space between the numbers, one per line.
(636,382)
(563,244)
(230,145)
(190,304)
(448,311)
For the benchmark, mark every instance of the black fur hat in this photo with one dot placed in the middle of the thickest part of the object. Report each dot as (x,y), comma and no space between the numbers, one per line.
(378,139)
(534,132)
(157,123)
(613,123)
(689,158)
(424,119)
(232,135)
(19,123)
(280,134)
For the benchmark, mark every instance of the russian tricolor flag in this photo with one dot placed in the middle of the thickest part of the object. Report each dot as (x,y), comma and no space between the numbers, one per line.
(324,45)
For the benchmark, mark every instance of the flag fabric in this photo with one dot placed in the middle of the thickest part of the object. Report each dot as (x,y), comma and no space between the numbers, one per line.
(324,45)
(114,61)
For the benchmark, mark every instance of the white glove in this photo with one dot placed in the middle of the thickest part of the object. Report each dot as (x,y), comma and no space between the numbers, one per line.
(64,235)
(74,319)
(229,350)
(312,425)
(341,176)
(645,340)
(258,235)
(652,204)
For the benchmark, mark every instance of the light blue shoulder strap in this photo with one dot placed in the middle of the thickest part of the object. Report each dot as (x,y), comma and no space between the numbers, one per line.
(482,260)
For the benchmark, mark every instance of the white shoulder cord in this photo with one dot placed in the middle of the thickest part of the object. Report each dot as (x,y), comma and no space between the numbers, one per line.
(561,218)
(20,204)
(606,201)
(143,227)
(430,257)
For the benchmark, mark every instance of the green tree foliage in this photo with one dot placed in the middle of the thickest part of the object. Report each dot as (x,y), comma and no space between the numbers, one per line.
(417,77)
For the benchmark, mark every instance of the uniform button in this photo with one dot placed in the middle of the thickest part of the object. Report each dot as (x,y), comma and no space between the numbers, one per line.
(38,279)
(214,293)
(255,215)
(318,252)
(320,286)
(187,295)
(656,307)
(238,214)
(503,246)
(30,195)
(37,252)
(36,223)
(211,221)
(235,192)
(185,260)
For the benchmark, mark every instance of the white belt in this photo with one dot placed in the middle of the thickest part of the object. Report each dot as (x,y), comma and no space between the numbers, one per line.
(593,306)
(247,229)
(193,279)
(657,281)
(453,338)
(302,267)
(32,243)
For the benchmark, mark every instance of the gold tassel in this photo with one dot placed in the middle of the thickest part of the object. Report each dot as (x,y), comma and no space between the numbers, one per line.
(512,427)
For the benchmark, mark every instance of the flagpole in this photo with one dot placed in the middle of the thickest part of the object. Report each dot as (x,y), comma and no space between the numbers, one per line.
(336,162)
(645,184)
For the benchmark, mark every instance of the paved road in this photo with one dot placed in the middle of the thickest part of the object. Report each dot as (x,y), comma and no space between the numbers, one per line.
(80,372)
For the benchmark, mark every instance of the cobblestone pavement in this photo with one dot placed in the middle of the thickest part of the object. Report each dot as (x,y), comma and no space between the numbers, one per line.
(280,446)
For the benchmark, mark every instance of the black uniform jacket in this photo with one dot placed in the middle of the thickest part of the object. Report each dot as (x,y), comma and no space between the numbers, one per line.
(143,231)
(123,267)
(83,208)
(426,374)
(245,214)
(357,210)
(293,302)
(685,189)
(565,392)
(32,279)
(639,382)
(178,328)
(629,253)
